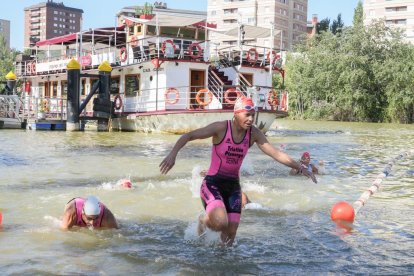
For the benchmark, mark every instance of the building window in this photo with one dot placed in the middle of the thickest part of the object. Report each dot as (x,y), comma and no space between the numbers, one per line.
(396,22)
(213,13)
(132,85)
(229,11)
(396,9)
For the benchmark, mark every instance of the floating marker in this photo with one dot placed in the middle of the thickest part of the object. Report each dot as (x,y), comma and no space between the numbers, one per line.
(344,213)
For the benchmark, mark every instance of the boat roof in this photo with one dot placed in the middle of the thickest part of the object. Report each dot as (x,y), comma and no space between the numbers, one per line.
(173,20)
(110,35)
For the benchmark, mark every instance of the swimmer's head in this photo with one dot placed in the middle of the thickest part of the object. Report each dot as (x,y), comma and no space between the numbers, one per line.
(91,206)
(305,156)
(244,104)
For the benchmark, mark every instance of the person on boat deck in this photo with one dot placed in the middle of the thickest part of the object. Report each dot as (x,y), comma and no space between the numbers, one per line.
(306,165)
(220,191)
(87,212)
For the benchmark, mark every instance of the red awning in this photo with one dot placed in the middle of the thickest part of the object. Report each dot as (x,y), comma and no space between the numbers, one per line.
(101,35)
(57,40)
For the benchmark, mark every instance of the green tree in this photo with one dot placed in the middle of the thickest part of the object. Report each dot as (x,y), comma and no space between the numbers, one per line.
(358,20)
(7,58)
(323,25)
(337,25)
(363,74)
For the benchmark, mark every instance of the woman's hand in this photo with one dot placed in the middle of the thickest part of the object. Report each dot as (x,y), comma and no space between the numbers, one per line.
(167,163)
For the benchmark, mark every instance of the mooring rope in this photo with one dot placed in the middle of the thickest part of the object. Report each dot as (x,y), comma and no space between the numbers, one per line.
(376,184)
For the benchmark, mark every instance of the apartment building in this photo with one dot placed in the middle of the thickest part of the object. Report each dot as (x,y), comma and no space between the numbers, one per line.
(5,31)
(397,13)
(50,19)
(287,16)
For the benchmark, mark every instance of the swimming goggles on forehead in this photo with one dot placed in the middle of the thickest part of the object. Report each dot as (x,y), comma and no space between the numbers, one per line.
(249,107)
(90,217)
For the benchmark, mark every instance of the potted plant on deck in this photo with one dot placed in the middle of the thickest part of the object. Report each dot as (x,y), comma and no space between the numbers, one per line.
(43,108)
(145,12)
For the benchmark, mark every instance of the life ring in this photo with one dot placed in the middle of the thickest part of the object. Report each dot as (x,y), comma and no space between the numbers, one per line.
(252,55)
(172,90)
(202,92)
(29,68)
(34,67)
(227,93)
(133,41)
(274,56)
(123,54)
(164,45)
(272,98)
(199,50)
(118,102)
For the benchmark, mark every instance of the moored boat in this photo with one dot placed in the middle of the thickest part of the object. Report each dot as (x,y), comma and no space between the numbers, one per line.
(166,75)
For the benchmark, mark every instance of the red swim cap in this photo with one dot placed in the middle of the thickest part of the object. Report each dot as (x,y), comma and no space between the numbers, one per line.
(305,155)
(243,104)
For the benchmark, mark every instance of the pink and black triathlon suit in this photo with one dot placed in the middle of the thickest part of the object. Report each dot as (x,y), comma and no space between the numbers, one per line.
(221,186)
(79,202)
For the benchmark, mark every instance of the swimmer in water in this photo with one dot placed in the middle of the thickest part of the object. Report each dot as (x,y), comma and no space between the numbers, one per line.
(306,165)
(87,212)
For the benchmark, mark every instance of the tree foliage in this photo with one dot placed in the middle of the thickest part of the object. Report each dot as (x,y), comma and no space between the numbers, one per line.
(7,58)
(360,74)
(358,20)
(337,25)
(323,25)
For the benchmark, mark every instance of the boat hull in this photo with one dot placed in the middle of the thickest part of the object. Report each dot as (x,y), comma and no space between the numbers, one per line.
(183,122)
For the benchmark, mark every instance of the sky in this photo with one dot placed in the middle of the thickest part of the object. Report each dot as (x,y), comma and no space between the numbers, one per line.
(104,15)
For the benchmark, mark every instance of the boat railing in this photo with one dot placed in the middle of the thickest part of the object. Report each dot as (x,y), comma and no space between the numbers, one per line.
(11,107)
(147,49)
(48,108)
(177,99)
(192,98)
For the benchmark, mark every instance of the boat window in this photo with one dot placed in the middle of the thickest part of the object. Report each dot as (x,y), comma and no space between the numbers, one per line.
(201,35)
(114,87)
(169,31)
(54,85)
(132,85)
(131,30)
(64,90)
(151,30)
(83,87)
(188,33)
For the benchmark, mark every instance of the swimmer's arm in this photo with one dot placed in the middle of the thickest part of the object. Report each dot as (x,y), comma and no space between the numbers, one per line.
(201,133)
(69,217)
(109,220)
(260,139)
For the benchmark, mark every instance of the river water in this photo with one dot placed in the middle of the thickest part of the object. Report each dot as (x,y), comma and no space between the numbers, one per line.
(287,231)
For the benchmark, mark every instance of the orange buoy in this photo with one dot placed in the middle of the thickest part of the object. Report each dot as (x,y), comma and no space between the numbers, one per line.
(343,212)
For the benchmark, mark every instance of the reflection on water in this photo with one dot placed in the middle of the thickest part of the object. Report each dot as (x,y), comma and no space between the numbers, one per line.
(290,233)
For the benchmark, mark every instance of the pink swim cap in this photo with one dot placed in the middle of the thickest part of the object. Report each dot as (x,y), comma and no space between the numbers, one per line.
(305,155)
(243,104)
